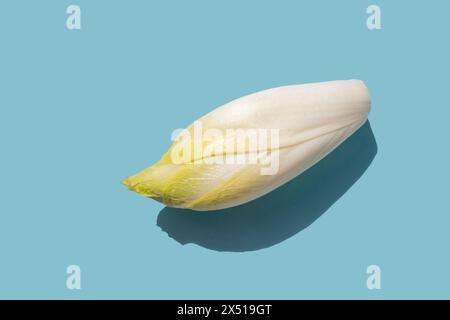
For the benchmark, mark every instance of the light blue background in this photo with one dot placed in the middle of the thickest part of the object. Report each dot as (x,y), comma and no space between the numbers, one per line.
(80,110)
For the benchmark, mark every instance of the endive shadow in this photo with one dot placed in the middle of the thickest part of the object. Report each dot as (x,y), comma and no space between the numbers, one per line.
(282,213)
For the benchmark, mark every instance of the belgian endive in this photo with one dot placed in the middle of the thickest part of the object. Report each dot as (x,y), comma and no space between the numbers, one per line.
(252,145)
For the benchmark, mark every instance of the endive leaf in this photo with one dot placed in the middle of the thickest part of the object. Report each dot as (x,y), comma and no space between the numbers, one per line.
(252,145)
